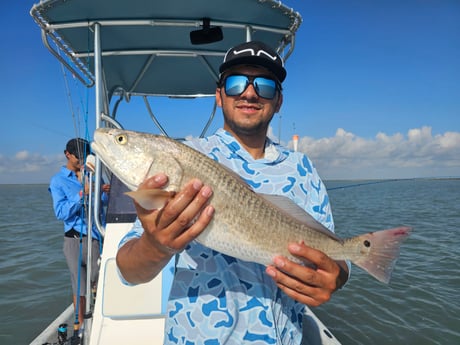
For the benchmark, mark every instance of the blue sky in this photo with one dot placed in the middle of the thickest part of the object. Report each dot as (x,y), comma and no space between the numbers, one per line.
(373,91)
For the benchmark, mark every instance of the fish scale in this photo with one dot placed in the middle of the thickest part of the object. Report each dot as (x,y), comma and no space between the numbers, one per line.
(245,225)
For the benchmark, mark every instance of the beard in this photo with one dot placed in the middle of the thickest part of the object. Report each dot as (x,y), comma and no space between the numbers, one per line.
(247,128)
(246,124)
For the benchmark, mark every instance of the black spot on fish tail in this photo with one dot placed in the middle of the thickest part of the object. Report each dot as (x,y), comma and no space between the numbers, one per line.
(380,251)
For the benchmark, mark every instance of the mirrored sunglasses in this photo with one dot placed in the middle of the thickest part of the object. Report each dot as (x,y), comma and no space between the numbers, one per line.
(235,85)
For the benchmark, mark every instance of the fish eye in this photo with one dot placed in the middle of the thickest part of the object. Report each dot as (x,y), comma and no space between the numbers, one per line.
(121,139)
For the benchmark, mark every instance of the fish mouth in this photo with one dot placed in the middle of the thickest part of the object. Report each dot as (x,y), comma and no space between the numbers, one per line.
(97,149)
(98,139)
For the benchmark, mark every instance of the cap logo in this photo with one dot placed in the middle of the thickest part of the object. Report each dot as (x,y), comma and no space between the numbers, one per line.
(254,53)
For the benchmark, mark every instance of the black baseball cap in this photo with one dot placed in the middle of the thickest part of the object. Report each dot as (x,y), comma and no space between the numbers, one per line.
(78,147)
(255,53)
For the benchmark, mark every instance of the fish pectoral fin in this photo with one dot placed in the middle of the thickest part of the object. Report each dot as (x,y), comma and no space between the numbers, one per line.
(151,199)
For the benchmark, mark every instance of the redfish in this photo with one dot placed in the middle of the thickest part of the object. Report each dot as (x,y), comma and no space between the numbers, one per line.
(245,225)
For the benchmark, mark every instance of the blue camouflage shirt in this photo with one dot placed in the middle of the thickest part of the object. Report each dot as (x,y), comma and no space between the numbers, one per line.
(218,299)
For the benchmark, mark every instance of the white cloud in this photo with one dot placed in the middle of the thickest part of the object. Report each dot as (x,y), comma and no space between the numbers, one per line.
(22,155)
(27,167)
(417,154)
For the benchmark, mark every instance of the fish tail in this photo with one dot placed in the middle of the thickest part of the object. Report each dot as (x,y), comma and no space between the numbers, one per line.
(378,251)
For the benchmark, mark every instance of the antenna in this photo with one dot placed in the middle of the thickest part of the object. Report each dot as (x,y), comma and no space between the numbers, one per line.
(279,130)
(295,141)
(295,138)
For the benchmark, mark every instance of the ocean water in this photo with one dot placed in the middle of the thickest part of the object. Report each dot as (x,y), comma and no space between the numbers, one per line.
(34,281)
(420,306)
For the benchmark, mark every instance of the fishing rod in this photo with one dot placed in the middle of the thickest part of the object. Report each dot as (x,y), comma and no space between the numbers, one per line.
(80,118)
(370,183)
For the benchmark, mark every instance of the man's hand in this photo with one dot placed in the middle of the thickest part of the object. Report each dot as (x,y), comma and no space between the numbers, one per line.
(167,230)
(312,285)
(182,218)
(106,188)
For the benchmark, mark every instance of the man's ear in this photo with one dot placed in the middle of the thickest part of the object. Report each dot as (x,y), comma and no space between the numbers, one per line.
(219,97)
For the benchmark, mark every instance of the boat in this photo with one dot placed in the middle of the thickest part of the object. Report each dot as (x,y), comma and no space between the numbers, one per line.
(147,49)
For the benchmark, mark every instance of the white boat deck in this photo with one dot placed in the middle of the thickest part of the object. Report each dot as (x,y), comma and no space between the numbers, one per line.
(135,314)
(126,314)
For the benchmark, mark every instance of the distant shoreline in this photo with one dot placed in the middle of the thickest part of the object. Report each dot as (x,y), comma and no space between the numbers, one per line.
(370,180)
(392,179)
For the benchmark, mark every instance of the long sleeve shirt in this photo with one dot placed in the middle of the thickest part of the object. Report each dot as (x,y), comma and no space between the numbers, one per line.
(68,204)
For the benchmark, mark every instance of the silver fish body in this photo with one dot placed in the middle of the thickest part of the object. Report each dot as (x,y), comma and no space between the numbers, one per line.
(245,225)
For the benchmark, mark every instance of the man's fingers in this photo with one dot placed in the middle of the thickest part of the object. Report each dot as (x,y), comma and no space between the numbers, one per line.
(184,206)
(154,182)
(174,224)
(326,269)
(311,283)
(197,227)
(296,275)
(305,288)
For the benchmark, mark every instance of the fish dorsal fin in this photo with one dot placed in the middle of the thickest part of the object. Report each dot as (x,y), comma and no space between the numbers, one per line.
(293,210)
(151,199)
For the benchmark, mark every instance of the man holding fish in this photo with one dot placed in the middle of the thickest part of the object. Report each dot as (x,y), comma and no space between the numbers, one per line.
(217,297)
